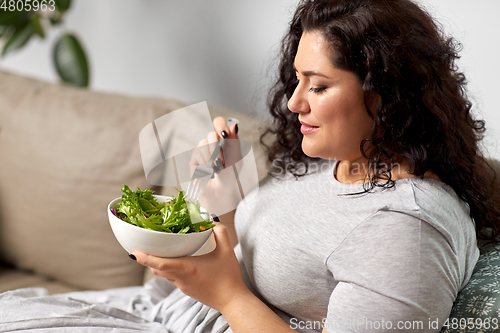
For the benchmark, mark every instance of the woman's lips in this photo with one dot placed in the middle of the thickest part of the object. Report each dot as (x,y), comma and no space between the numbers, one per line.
(307,129)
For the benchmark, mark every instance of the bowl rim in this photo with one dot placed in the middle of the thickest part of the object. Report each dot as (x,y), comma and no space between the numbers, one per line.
(155,231)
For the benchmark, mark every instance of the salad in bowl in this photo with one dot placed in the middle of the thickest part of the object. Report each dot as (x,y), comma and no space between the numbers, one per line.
(175,215)
(160,225)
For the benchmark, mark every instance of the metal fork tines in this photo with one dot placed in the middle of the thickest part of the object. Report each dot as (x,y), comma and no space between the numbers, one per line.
(202,174)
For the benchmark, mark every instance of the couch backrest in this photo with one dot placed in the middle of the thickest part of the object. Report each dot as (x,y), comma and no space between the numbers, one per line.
(65,154)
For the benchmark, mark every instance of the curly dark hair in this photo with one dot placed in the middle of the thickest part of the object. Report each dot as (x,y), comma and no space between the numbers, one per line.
(399,53)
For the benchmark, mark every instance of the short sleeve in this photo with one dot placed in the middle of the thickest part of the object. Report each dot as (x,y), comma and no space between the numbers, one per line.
(396,272)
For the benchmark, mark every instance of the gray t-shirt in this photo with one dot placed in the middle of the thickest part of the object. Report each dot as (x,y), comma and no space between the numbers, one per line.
(390,260)
(382,261)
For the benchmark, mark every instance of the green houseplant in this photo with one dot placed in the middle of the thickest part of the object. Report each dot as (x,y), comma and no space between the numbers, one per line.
(20,20)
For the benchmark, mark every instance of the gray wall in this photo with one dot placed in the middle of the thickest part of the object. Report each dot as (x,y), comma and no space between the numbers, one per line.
(221,51)
(477,26)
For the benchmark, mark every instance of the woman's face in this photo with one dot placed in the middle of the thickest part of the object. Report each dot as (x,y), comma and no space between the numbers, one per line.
(330,103)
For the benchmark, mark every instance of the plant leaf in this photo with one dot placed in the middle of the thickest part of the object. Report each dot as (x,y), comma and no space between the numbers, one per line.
(70,61)
(63,5)
(18,39)
(15,18)
(37,25)
(3,30)
(55,19)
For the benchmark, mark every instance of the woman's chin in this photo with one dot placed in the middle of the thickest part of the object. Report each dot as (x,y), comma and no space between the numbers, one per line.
(311,150)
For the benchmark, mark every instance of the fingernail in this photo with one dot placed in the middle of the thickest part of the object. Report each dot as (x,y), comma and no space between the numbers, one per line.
(215,218)
(236,129)
(224,134)
(131,256)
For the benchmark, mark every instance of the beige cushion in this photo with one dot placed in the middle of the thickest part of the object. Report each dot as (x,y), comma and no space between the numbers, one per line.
(11,279)
(65,154)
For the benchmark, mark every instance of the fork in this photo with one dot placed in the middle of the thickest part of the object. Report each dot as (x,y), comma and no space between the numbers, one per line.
(204,172)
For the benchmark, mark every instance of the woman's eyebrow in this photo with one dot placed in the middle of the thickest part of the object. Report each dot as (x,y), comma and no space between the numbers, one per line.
(310,73)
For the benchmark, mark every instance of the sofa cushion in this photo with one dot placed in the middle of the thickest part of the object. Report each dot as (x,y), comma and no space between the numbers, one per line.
(477,307)
(65,154)
(11,279)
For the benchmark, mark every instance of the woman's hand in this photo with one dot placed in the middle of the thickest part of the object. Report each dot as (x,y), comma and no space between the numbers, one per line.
(222,193)
(213,279)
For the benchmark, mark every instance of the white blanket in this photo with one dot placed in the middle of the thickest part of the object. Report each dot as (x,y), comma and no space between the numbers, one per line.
(156,307)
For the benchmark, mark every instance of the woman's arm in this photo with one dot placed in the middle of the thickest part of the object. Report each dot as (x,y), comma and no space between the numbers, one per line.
(246,313)
(215,279)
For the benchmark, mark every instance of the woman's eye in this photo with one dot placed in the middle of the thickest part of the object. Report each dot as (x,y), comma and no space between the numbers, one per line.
(317,90)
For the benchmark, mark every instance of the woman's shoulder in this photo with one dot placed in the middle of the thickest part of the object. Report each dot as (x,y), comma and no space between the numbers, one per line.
(435,203)
(434,200)
(408,204)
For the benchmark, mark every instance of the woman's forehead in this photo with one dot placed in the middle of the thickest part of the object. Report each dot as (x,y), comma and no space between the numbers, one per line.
(313,49)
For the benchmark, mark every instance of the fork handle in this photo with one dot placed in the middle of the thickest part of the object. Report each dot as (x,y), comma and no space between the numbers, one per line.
(216,152)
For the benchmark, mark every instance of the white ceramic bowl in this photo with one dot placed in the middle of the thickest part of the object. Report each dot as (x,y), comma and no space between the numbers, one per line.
(162,244)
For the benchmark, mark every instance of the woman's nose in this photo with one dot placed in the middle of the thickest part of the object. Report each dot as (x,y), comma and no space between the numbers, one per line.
(298,102)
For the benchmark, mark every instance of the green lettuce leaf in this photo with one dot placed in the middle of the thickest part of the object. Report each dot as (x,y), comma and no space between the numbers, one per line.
(141,208)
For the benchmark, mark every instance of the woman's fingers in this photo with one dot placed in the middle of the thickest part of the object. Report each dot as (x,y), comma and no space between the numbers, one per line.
(230,152)
(222,240)
(206,146)
(183,264)
(213,278)
(212,139)
(220,124)
(160,264)
(202,153)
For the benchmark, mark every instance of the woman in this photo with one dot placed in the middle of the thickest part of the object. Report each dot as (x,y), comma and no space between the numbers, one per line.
(382,238)
(377,191)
